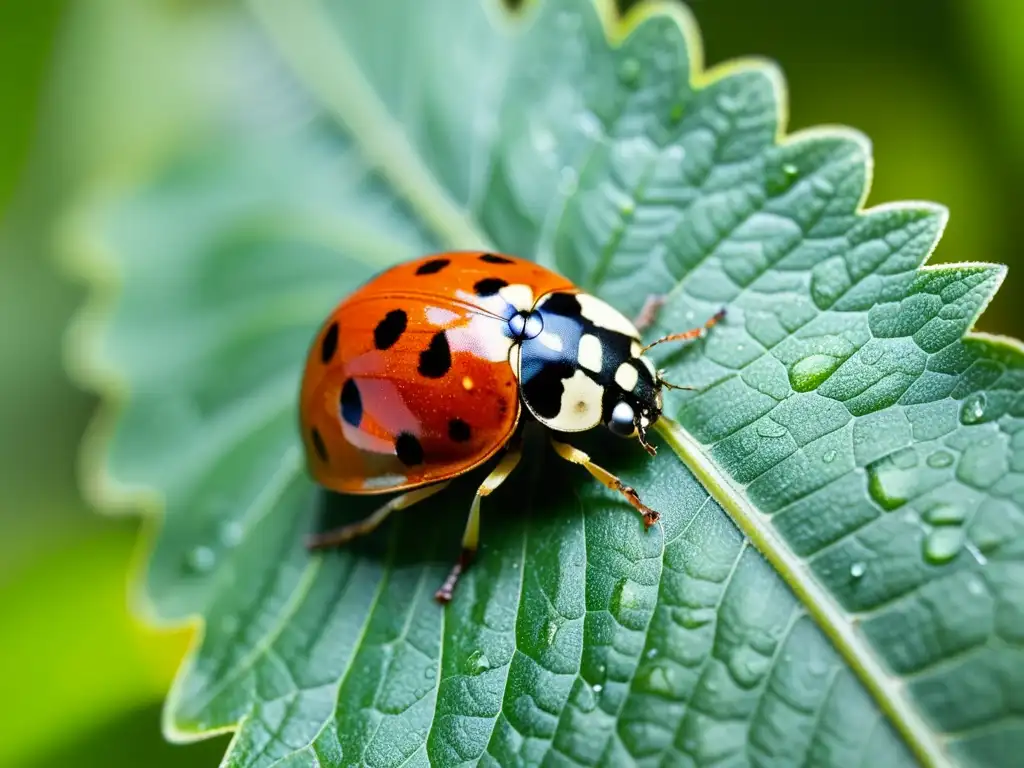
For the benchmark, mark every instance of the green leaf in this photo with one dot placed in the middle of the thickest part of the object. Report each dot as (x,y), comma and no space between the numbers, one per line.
(850,592)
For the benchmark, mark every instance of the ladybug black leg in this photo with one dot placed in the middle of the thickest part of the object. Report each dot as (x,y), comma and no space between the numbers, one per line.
(693,333)
(346,533)
(649,311)
(607,479)
(471,537)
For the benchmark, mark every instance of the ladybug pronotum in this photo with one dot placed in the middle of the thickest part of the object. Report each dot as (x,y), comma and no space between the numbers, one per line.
(426,372)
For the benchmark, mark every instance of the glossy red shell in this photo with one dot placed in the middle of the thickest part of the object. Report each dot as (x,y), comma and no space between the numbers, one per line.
(408,381)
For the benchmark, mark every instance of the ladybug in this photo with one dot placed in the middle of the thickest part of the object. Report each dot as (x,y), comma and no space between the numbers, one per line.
(426,371)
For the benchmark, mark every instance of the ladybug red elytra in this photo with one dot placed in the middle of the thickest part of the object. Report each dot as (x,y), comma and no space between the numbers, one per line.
(426,371)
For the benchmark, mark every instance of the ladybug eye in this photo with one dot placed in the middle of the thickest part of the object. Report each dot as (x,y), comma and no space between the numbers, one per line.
(525,325)
(621,422)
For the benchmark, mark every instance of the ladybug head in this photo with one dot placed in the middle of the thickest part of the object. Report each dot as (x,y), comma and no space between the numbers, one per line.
(633,402)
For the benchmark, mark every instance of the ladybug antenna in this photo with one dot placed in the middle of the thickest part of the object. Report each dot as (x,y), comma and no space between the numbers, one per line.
(670,385)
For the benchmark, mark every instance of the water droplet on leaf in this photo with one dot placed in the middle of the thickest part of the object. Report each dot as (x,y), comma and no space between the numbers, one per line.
(658,679)
(202,559)
(478,662)
(597,687)
(629,71)
(231,533)
(943,544)
(889,485)
(829,457)
(857,570)
(809,373)
(790,170)
(940,459)
(973,409)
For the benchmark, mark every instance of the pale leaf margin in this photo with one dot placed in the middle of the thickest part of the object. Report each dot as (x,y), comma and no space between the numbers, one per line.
(85,257)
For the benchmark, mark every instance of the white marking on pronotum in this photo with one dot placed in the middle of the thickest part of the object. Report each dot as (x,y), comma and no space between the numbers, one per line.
(606,316)
(627,376)
(589,354)
(551,340)
(519,296)
(635,349)
(650,367)
(581,404)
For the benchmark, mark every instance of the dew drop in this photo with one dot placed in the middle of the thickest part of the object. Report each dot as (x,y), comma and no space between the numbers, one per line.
(790,170)
(768,427)
(202,559)
(943,544)
(857,570)
(829,457)
(627,207)
(973,409)
(809,373)
(940,459)
(624,598)
(597,687)
(652,653)
(889,485)
(629,72)
(231,533)
(478,662)
(658,679)
(944,514)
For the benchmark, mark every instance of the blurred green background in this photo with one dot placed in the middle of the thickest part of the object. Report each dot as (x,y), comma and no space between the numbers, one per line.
(93,90)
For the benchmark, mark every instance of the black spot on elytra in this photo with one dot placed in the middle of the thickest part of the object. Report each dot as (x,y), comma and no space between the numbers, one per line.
(459,431)
(318,444)
(329,345)
(489,286)
(390,329)
(543,391)
(436,360)
(409,450)
(565,304)
(351,403)
(493,258)
(432,267)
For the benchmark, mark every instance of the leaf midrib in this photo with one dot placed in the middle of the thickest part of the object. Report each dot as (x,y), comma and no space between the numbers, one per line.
(302,35)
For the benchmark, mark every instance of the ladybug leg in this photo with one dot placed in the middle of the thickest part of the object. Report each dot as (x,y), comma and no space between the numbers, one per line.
(471,537)
(607,479)
(649,311)
(345,534)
